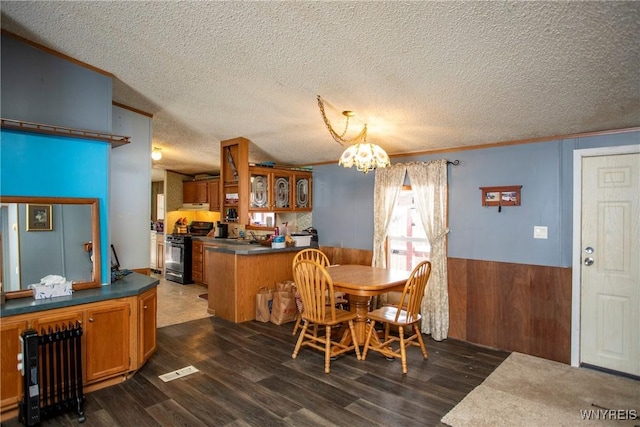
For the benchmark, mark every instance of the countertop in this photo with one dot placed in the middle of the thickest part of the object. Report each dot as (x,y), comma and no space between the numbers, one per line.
(240,247)
(130,285)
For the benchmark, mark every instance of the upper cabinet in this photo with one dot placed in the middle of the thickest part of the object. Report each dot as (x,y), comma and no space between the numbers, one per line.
(214,195)
(279,190)
(195,192)
(234,180)
(206,191)
(270,190)
(302,191)
(247,189)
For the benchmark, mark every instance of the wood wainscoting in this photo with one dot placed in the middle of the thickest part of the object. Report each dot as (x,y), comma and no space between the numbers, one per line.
(516,307)
(346,256)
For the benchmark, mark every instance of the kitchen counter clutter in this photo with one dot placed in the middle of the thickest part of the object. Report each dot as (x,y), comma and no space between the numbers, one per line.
(242,247)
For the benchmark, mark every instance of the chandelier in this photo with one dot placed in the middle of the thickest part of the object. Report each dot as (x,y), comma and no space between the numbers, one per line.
(364,155)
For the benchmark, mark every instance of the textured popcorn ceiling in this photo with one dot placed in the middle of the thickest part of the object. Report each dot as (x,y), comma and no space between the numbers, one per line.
(423,75)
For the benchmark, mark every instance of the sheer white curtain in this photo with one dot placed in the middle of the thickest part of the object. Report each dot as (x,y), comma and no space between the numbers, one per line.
(430,189)
(388,185)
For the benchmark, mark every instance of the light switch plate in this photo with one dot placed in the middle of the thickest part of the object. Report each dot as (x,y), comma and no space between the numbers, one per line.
(540,232)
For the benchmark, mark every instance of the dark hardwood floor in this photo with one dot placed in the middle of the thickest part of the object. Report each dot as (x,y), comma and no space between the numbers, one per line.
(248,378)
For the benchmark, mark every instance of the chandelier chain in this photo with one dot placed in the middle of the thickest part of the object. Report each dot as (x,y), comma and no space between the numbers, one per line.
(340,139)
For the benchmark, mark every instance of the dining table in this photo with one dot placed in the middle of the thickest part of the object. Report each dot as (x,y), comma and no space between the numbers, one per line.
(360,283)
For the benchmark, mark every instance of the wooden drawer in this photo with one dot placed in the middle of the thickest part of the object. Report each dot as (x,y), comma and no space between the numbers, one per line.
(197,257)
(197,247)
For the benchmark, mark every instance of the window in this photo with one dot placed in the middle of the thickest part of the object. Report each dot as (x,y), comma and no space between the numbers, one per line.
(263,218)
(407,243)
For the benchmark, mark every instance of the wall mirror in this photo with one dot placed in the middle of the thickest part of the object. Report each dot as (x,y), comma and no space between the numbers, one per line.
(48,235)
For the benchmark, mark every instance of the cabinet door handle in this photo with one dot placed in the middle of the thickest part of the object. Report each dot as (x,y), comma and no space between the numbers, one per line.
(91,319)
(145,307)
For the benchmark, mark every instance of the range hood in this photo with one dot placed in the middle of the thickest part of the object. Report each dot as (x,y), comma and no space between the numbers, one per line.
(194,207)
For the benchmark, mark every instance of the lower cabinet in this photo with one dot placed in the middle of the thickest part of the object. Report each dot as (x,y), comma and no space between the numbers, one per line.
(160,255)
(119,336)
(107,340)
(197,261)
(11,387)
(147,315)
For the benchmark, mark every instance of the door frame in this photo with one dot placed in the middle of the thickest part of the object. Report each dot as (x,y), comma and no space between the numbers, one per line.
(576,283)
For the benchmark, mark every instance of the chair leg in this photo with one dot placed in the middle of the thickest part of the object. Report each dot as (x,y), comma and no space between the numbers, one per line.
(417,331)
(297,325)
(354,339)
(300,339)
(368,340)
(327,350)
(403,350)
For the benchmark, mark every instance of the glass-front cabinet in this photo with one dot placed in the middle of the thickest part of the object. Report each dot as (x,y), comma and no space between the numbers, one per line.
(302,191)
(270,190)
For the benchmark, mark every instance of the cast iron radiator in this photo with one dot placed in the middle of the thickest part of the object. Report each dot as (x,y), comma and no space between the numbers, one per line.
(52,373)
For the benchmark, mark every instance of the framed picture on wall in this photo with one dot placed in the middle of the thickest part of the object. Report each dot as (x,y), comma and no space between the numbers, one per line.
(501,196)
(39,217)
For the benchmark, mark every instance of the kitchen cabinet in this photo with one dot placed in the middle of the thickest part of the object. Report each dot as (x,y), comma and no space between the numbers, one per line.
(279,190)
(10,377)
(234,280)
(234,184)
(195,191)
(107,339)
(302,193)
(147,322)
(301,197)
(214,195)
(270,190)
(160,253)
(153,244)
(157,252)
(197,258)
(119,336)
(247,189)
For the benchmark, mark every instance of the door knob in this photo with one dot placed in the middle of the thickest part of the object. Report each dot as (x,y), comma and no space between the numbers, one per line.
(588,261)
(589,250)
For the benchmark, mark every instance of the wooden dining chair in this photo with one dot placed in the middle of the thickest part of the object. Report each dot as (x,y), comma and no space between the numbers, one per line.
(404,314)
(313,255)
(314,284)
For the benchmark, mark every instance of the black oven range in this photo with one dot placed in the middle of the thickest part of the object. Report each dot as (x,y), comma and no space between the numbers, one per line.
(177,260)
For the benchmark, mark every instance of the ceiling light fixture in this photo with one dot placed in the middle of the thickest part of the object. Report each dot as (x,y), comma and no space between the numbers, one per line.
(156,154)
(364,155)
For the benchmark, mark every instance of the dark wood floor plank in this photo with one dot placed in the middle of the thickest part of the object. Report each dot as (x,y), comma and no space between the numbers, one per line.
(169,413)
(381,416)
(247,378)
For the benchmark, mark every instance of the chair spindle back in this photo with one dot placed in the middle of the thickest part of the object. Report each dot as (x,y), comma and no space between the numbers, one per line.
(314,284)
(413,292)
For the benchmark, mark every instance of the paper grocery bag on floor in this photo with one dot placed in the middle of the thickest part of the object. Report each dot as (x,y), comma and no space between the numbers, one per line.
(283,309)
(264,300)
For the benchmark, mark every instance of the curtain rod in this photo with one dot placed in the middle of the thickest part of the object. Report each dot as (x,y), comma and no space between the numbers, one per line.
(454,163)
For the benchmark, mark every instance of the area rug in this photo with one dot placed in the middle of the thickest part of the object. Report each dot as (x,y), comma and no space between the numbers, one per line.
(529,391)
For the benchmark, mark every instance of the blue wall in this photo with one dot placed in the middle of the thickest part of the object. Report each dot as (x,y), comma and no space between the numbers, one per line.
(44,88)
(54,166)
(343,201)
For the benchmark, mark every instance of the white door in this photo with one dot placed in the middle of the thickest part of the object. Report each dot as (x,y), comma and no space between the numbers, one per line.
(610,262)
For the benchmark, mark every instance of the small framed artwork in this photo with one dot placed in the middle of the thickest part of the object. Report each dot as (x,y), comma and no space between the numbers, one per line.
(39,217)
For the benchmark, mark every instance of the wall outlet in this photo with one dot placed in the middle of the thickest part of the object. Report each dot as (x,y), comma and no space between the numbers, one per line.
(540,232)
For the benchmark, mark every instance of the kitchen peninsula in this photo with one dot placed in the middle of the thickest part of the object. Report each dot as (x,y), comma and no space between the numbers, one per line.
(236,270)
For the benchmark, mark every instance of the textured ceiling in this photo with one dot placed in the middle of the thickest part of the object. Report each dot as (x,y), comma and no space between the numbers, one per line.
(423,75)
